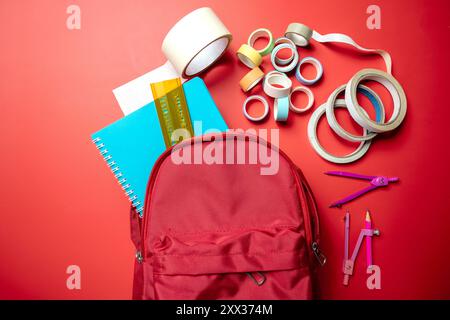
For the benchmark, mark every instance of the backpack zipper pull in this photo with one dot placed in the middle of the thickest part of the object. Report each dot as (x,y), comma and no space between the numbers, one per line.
(139,257)
(257,277)
(319,255)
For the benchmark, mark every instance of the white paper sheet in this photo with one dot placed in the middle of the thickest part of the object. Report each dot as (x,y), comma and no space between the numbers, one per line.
(137,93)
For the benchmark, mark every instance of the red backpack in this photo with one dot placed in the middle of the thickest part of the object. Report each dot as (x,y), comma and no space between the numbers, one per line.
(225,231)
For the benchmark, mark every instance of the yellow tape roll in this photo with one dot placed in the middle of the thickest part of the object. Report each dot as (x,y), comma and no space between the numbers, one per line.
(251,79)
(249,56)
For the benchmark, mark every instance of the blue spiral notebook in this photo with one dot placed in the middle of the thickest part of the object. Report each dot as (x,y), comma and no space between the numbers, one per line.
(131,145)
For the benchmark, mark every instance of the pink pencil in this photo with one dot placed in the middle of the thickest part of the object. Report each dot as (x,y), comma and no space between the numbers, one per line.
(368,240)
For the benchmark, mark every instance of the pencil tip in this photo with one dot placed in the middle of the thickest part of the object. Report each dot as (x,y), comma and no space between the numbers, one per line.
(367,215)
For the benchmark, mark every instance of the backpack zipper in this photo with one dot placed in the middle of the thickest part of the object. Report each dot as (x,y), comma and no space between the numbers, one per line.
(147,203)
(311,239)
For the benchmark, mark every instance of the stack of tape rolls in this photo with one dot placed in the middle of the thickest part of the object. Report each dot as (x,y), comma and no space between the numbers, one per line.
(301,35)
(371,128)
(276,83)
(365,140)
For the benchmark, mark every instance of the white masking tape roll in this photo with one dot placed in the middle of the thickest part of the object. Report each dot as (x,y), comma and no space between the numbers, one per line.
(265,104)
(279,79)
(268,74)
(312,135)
(301,34)
(310,99)
(196,41)
(282,61)
(332,121)
(319,71)
(394,88)
(292,63)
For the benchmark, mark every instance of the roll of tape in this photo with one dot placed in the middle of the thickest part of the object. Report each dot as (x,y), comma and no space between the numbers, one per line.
(251,79)
(374,99)
(319,71)
(279,79)
(265,104)
(281,109)
(394,88)
(282,61)
(293,62)
(310,99)
(299,34)
(312,135)
(268,74)
(249,56)
(196,41)
(262,33)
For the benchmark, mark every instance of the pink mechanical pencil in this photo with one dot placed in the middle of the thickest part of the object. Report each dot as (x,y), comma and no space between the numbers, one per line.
(368,225)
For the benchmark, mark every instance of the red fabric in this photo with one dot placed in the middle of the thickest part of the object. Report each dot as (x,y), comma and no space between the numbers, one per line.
(206,226)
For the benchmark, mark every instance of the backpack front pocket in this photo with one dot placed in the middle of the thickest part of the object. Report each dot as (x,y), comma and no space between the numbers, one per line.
(260,263)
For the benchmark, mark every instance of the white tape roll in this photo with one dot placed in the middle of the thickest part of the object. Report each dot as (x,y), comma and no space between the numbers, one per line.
(196,41)
(394,88)
(312,135)
(277,79)
(319,71)
(292,63)
(268,74)
(332,121)
(265,104)
(310,99)
(282,61)
(299,34)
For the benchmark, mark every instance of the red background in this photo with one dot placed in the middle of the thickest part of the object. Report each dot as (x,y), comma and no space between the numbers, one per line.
(61,206)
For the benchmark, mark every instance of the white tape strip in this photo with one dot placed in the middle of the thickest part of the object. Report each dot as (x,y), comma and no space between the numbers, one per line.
(301,34)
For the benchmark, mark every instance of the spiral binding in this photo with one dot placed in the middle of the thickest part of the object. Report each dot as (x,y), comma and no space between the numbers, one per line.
(118,174)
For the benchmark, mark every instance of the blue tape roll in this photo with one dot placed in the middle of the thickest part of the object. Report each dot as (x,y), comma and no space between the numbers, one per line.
(281,109)
(375,103)
(331,118)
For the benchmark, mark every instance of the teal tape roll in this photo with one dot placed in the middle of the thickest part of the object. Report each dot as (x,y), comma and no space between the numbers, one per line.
(281,109)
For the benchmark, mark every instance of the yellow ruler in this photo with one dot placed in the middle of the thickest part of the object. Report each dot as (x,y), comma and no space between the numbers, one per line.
(172,109)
